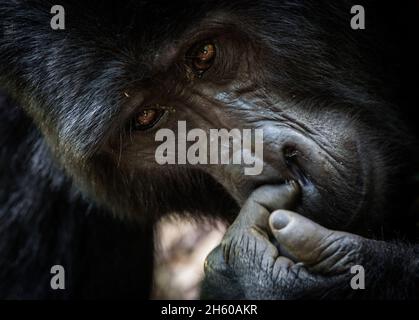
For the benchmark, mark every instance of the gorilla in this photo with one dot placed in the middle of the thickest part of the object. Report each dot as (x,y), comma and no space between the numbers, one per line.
(79,109)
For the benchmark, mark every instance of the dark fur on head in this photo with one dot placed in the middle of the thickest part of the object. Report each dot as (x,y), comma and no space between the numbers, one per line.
(62,179)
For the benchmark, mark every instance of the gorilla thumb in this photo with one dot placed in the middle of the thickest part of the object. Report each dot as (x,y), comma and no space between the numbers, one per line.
(299,238)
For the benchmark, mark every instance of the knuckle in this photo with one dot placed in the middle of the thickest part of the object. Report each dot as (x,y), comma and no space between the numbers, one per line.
(338,253)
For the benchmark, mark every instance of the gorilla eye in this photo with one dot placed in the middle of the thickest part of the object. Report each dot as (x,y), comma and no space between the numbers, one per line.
(202,57)
(147,119)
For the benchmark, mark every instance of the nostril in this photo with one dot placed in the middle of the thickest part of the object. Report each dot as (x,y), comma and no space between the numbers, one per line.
(291,156)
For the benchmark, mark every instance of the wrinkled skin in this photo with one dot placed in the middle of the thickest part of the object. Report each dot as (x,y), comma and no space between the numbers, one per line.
(271,252)
(319,90)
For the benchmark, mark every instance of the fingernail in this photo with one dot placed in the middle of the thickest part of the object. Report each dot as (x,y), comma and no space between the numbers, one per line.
(279,220)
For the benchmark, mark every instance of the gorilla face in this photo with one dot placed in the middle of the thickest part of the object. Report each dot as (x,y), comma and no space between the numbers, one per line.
(318,143)
(105,93)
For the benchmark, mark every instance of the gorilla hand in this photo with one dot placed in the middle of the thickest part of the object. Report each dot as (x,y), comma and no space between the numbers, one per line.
(284,255)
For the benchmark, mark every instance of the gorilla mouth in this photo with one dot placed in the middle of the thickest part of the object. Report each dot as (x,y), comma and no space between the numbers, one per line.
(293,171)
(326,180)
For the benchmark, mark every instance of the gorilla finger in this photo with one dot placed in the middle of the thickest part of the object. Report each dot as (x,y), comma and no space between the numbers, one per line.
(255,212)
(219,281)
(215,262)
(300,238)
(274,197)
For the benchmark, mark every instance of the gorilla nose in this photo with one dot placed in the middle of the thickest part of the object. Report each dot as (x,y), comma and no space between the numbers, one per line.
(291,155)
(291,159)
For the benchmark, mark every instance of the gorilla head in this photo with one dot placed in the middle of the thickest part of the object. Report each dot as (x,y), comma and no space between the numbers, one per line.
(97,90)
(100,89)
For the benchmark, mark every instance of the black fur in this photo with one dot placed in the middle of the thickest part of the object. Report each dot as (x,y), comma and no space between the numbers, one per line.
(62,198)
